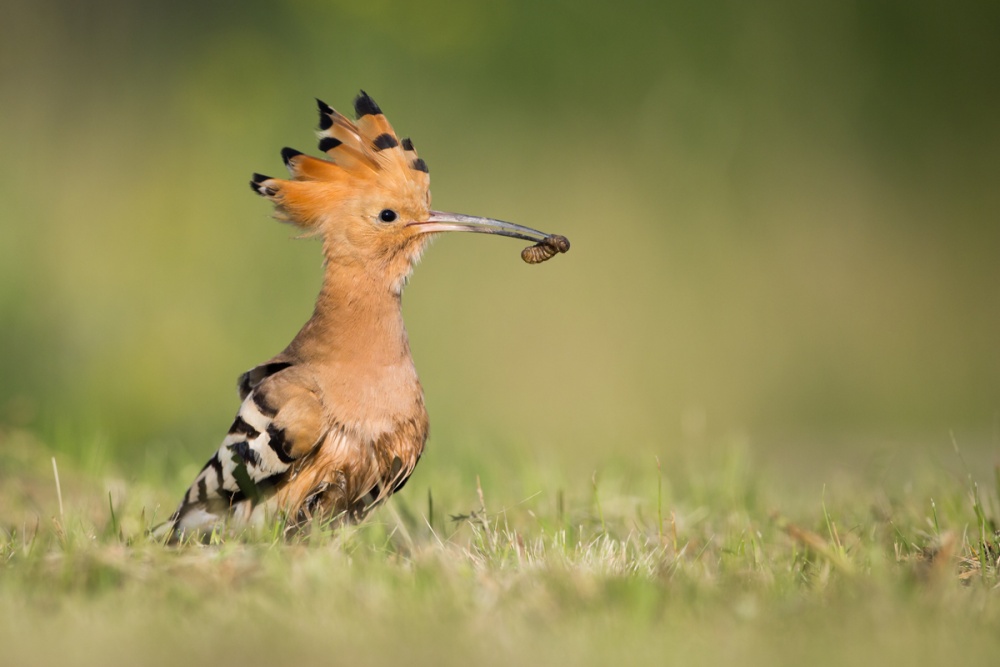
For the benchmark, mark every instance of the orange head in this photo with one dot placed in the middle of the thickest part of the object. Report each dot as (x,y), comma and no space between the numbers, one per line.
(369,199)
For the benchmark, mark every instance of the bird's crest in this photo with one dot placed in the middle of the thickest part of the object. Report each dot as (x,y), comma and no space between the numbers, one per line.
(360,155)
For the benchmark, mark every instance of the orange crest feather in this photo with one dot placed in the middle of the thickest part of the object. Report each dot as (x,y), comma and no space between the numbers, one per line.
(359,155)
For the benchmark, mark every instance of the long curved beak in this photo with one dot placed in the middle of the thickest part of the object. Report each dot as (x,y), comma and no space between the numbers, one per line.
(439,221)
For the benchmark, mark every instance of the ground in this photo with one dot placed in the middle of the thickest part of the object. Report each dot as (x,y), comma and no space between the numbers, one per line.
(714,563)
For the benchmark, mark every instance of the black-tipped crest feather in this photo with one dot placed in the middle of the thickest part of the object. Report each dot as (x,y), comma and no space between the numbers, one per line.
(257,185)
(329,143)
(365,105)
(384,141)
(288,153)
(325,114)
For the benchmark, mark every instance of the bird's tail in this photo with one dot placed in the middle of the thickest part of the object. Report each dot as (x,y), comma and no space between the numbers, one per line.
(198,519)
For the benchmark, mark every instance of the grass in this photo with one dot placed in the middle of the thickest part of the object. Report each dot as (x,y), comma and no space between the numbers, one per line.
(706,563)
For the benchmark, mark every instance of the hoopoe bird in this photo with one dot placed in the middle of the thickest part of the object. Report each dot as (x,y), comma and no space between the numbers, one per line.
(335,423)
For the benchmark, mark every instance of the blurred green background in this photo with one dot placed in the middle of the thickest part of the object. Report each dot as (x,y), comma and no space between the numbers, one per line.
(783,215)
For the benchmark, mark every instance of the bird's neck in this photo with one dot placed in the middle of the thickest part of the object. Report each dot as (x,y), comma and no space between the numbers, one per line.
(355,345)
(358,321)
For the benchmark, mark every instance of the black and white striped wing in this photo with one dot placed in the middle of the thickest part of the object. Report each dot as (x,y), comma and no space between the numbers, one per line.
(279,421)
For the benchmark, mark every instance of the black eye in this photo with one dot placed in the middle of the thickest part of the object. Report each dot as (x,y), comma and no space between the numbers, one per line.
(387,215)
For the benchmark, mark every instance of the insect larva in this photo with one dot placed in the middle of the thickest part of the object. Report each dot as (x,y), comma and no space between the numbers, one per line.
(538,253)
(545,249)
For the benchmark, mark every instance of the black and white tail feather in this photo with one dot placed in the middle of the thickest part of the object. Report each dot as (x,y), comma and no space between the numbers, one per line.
(236,478)
(253,457)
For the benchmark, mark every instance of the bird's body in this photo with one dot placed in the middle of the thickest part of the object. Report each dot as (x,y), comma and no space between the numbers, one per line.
(336,422)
